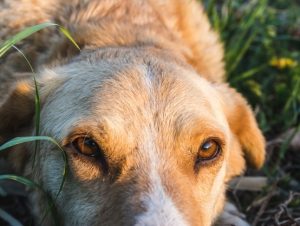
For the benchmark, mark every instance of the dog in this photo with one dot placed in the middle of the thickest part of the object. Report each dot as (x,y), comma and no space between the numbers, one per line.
(151,130)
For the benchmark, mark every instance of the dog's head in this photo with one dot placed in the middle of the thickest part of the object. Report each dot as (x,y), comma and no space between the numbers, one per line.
(149,142)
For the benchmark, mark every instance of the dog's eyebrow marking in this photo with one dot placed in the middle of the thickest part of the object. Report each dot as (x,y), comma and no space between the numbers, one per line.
(160,209)
(197,125)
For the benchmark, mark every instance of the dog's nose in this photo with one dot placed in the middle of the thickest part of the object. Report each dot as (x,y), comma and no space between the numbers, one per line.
(160,210)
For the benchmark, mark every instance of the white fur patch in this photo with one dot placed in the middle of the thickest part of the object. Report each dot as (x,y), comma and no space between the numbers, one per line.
(160,209)
(218,181)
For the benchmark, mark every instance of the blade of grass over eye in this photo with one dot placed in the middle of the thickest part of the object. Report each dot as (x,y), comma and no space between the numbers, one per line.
(31,30)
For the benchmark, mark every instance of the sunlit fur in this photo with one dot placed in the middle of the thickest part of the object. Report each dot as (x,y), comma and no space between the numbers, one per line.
(148,86)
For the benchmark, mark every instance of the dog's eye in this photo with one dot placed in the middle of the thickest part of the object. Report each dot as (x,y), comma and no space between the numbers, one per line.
(86,146)
(209,150)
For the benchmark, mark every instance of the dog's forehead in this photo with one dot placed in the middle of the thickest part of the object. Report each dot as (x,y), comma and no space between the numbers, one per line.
(131,95)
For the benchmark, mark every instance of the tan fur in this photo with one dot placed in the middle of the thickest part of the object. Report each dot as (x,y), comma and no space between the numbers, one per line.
(148,87)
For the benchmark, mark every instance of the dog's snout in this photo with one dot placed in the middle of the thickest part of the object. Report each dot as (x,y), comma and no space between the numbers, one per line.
(160,210)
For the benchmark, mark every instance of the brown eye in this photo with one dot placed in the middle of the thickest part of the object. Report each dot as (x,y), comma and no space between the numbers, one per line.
(209,150)
(86,146)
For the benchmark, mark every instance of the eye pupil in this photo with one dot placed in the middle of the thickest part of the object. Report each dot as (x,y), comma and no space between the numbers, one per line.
(208,151)
(86,146)
(90,142)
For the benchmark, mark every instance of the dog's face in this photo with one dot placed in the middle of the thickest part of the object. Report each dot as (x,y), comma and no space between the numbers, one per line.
(149,142)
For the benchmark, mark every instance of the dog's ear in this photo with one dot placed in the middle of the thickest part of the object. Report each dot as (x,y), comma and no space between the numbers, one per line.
(17,108)
(246,134)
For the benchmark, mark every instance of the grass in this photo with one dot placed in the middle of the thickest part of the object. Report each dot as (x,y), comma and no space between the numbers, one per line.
(21,140)
(262,43)
(4,47)
(28,32)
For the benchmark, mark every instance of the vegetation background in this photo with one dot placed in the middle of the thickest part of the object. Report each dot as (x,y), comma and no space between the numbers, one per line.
(262,48)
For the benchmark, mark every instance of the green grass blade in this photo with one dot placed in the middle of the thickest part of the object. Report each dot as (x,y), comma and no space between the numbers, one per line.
(29,31)
(246,27)
(25,58)
(216,19)
(22,35)
(210,5)
(37,105)
(68,35)
(226,15)
(239,55)
(37,96)
(9,219)
(20,140)
(249,73)
(21,180)
(32,184)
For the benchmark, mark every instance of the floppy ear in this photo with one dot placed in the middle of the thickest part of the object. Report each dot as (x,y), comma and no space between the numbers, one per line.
(17,109)
(246,134)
